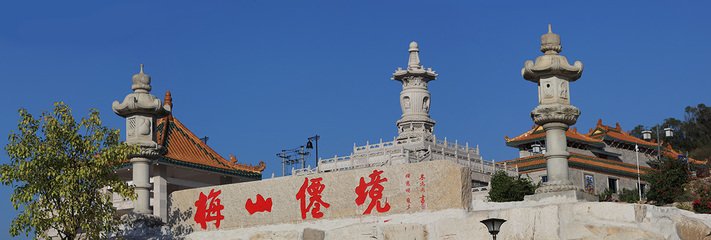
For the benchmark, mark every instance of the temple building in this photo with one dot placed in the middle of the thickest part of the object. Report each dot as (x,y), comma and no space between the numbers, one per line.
(603,158)
(416,141)
(175,158)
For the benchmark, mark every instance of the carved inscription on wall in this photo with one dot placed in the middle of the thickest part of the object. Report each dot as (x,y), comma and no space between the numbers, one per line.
(380,191)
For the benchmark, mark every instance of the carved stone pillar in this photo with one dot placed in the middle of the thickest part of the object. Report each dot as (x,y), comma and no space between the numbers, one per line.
(553,74)
(141,109)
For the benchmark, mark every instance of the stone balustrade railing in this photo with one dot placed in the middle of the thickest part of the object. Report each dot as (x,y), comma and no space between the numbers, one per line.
(383,153)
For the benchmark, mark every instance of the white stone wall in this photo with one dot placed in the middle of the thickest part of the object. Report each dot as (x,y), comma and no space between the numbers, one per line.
(525,221)
(444,185)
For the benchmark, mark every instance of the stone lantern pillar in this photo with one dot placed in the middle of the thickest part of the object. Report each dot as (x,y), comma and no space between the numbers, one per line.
(141,109)
(553,74)
(415,98)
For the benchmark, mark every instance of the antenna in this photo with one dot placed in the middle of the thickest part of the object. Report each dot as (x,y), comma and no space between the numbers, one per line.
(292,157)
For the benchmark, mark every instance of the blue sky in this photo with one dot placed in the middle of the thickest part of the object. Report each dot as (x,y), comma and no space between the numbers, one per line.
(258,77)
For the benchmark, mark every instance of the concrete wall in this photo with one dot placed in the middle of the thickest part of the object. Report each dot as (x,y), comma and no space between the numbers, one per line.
(434,185)
(601,180)
(630,156)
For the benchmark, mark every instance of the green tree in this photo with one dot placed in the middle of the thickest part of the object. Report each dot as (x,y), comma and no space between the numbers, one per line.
(692,135)
(666,180)
(59,169)
(505,188)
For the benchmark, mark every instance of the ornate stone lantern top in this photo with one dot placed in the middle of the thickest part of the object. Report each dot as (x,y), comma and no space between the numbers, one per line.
(140,101)
(414,67)
(551,63)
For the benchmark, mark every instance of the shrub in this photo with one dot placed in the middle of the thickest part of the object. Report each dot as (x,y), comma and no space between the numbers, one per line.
(606,196)
(700,190)
(505,188)
(665,180)
(629,195)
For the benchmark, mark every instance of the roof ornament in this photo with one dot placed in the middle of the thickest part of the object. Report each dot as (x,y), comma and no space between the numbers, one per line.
(168,101)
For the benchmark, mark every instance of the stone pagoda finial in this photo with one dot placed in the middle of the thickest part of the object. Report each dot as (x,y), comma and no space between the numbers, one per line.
(141,109)
(141,82)
(414,60)
(415,97)
(553,74)
(550,42)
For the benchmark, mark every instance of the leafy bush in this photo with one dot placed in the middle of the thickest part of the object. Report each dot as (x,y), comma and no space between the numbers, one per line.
(629,195)
(505,188)
(700,191)
(684,206)
(665,180)
(606,196)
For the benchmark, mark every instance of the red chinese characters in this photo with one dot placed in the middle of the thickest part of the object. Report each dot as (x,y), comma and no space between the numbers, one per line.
(313,188)
(373,190)
(209,209)
(407,190)
(422,191)
(260,205)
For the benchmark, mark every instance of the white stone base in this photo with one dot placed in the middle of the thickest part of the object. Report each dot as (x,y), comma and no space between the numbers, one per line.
(525,221)
(569,196)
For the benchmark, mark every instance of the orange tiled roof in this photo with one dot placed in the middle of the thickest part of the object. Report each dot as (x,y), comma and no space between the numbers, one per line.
(537,133)
(673,154)
(537,162)
(185,148)
(601,131)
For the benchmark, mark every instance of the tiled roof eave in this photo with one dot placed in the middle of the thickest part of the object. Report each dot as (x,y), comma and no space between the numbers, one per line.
(236,172)
(516,143)
(196,152)
(584,167)
(645,144)
(631,168)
